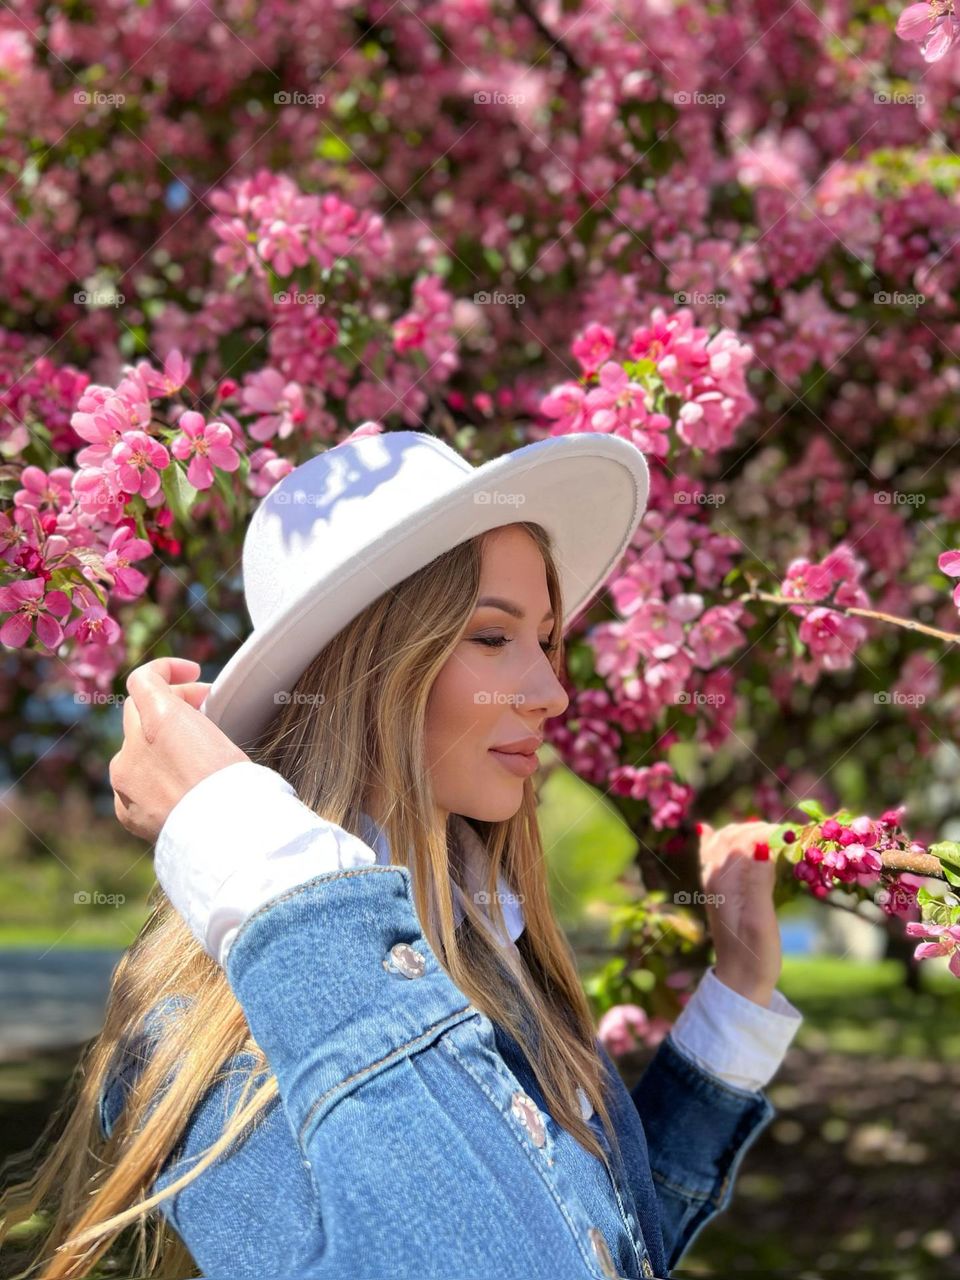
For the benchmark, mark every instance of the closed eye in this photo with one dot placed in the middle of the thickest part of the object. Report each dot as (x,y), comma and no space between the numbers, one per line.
(497,642)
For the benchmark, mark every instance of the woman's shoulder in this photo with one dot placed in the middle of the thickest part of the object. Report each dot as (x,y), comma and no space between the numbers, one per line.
(133,1053)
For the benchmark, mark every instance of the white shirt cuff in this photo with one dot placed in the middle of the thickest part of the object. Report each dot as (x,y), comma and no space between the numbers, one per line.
(733,1037)
(238,838)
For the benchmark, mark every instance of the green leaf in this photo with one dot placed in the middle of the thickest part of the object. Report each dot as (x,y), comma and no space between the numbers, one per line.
(643,979)
(796,644)
(180,495)
(813,809)
(331,148)
(947,851)
(952,877)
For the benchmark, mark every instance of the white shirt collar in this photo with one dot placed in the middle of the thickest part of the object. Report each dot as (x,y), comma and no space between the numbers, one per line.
(475,864)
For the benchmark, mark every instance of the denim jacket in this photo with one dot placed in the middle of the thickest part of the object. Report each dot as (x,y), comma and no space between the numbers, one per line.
(409,1137)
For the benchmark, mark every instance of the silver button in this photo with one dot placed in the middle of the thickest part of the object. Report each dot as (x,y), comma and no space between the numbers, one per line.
(586,1106)
(602,1252)
(527,1112)
(403,959)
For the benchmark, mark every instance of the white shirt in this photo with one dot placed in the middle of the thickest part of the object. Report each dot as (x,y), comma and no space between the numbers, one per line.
(242,836)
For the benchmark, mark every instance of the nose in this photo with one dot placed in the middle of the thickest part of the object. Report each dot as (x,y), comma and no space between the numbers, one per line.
(543,693)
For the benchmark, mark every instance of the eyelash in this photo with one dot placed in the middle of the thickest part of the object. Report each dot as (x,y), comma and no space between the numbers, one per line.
(497,642)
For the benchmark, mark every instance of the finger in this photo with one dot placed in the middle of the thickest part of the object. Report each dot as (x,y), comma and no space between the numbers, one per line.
(193,694)
(172,670)
(153,697)
(131,721)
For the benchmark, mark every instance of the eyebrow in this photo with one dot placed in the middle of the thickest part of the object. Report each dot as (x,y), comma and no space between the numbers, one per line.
(497,602)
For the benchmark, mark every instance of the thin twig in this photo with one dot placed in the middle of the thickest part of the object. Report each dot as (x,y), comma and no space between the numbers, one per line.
(526,8)
(909,624)
(919,864)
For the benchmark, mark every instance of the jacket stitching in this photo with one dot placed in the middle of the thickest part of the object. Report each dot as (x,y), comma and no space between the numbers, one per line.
(450,1019)
(510,1078)
(307,884)
(689,1192)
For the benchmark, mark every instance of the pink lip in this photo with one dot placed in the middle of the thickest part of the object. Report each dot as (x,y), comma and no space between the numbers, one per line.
(519,763)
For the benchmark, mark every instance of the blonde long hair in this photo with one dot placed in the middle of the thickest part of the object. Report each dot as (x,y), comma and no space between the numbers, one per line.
(371,684)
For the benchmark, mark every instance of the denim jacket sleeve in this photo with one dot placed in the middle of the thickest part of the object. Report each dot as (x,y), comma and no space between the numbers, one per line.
(698,1130)
(230,1217)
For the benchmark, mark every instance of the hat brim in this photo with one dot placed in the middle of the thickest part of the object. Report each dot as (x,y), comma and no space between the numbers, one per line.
(589,491)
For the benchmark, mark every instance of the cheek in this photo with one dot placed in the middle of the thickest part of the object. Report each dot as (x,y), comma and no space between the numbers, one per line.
(460,709)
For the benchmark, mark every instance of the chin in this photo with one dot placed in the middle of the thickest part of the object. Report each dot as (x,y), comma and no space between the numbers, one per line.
(493,810)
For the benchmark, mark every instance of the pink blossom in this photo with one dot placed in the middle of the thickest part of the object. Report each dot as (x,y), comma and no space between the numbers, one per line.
(428,328)
(675,345)
(619,406)
(139,457)
(18,536)
(94,625)
(207,445)
(266,392)
(45,491)
(833,638)
(948,562)
(933,24)
(266,470)
(364,429)
(99,493)
(622,1028)
(123,548)
(593,346)
(29,607)
(716,636)
(283,245)
(943,940)
(806,581)
(176,371)
(899,897)
(16,56)
(567,406)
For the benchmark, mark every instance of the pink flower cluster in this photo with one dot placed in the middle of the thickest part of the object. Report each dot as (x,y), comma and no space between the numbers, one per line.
(428,327)
(266,220)
(704,375)
(626,1027)
(69,543)
(941,940)
(125,455)
(843,853)
(832,637)
(669,800)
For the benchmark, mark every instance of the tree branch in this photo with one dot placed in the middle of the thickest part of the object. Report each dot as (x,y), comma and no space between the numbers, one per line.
(526,8)
(769,597)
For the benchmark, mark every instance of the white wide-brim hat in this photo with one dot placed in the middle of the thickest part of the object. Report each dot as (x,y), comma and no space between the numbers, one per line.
(355,520)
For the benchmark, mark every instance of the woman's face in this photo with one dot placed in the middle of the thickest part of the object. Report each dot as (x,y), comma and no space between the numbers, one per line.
(497,688)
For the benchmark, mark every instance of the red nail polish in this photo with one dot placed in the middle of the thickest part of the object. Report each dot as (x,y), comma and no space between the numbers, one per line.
(761,852)
(752,818)
(699,828)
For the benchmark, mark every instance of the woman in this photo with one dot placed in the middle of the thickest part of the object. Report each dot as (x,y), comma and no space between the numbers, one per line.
(351,1041)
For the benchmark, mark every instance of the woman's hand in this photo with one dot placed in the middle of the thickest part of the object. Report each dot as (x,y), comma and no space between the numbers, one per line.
(740,911)
(169,745)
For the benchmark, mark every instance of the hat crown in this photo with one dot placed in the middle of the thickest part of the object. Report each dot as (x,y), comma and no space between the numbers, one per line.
(324,514)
